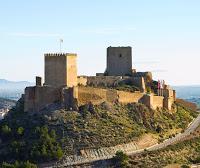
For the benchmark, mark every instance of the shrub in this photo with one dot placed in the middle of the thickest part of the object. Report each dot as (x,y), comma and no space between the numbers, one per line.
(26,164)
(185,166)
(121,159)
(20,131)
(5,130)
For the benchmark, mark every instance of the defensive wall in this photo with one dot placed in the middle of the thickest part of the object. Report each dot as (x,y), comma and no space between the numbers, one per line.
(62,85)
(38,98)
(97,96)
(110,81)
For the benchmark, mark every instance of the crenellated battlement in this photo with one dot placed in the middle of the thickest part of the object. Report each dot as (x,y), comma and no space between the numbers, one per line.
(59,54)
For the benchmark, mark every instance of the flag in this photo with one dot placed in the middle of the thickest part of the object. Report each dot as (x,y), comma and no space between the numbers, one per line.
(158,84)
(163,84)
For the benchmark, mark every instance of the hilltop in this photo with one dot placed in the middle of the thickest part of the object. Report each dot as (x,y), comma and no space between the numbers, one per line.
(69,118)
(56,133)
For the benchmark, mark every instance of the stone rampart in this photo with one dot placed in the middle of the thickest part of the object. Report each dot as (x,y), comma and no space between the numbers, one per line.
(37,98)
(111,81)
(97,96)
(128,97)
(157,102)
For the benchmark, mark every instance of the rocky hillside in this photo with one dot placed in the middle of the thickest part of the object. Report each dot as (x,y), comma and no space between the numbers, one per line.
(183,154)
(55,132)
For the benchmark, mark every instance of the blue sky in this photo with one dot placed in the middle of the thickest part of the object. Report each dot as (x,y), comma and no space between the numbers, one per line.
(164,35)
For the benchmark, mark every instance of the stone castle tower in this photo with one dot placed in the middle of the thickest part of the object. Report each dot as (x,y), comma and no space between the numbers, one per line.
(60,83)
(119,61)
(61,70)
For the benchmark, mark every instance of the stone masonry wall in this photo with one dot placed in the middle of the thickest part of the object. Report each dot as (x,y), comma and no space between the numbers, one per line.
(95,95)
(71,70)
(37,98)
(119,61)
(110,81)
(98,96)
(55,70)
(60,70)
(128,97)
(157,102)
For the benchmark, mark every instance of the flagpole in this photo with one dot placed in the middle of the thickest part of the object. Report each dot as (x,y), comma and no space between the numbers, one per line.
(61,41)
(60,46)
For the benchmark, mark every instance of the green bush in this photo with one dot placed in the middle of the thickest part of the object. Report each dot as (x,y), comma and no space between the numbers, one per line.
(5,130)
(20,131)
(185,166)
(121,159)
(26,164)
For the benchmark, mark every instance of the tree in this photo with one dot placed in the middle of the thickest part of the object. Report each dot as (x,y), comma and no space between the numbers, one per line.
(20,131)
(121,159)
(5,130)
(26,164)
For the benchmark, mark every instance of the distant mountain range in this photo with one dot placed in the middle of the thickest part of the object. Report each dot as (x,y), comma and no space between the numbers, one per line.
(13,89)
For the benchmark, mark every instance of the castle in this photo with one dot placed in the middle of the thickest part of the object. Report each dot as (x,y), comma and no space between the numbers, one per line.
(64,87)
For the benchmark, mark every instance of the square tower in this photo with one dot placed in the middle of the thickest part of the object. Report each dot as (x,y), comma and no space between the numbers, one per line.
(61,70)
(119,61)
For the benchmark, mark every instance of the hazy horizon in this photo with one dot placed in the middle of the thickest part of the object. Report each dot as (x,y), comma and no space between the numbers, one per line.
(164,36)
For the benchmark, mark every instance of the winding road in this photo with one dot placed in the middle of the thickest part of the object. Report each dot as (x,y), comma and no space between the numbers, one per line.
(81,160)
(191,128)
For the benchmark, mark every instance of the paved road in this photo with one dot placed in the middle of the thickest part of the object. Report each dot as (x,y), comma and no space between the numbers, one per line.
(192,127)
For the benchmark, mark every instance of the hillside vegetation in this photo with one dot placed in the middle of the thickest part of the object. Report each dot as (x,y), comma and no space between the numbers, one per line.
(184,153)
(49,135)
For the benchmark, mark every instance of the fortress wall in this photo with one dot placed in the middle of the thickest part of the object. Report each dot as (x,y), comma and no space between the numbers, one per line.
(168,103)
(168,93)
(157,102)
(69,98)
(152,101)
(82,80)
(147,100)
(128,97)
(29,99)
(97,96)
(138,82)
(37,98)
(103,80)
(89,94)
(110,81)
(174,95)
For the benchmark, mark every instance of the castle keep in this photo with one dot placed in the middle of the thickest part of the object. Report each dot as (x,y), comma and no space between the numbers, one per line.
(62,86)
(60,70)
(119,61)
